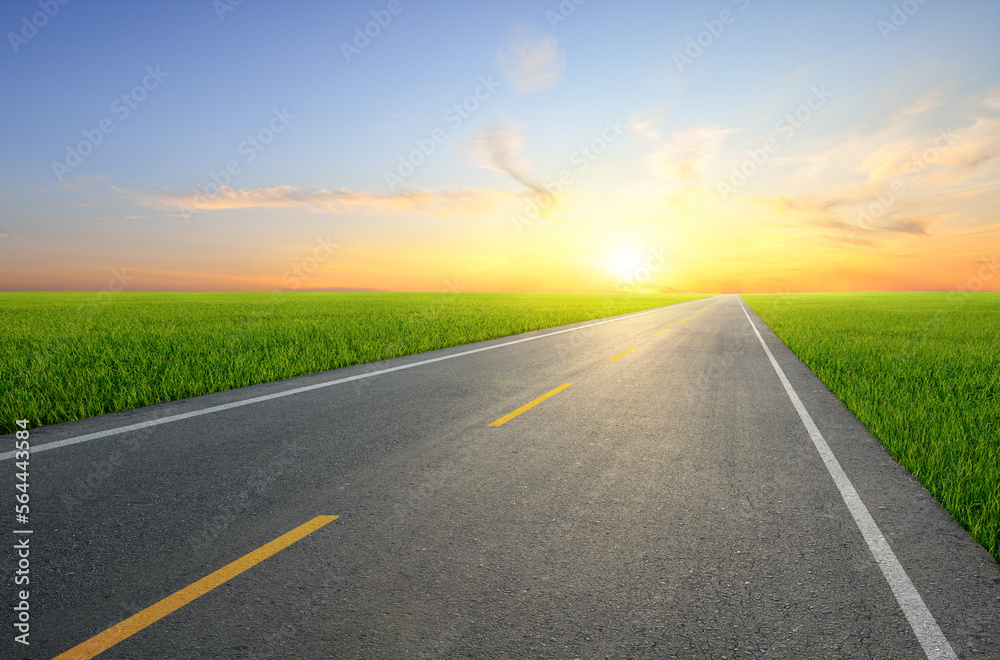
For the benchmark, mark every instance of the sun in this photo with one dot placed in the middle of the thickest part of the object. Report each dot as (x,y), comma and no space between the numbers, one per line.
(625,262)
(627,265)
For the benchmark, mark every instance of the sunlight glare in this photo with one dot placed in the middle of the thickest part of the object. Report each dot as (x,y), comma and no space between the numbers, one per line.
(625,262)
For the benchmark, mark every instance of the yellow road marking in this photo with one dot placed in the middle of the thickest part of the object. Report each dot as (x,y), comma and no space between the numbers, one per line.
(623,353)
(105,640)
(685,319)
(528,406)
(661,332)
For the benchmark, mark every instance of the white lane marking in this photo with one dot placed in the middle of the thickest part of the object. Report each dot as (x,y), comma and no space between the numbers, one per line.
(935,644)
(298,390)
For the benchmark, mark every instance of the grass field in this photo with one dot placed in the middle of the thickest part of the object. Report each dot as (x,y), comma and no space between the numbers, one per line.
(66,356)
(922,372)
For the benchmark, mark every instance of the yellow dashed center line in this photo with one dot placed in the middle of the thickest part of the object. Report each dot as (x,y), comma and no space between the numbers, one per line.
(661,332)
(684,319)
(105,640)
(528,406)
(626,352)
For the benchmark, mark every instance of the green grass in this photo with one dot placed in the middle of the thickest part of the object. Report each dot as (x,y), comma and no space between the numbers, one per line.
(922,372)
(66,356)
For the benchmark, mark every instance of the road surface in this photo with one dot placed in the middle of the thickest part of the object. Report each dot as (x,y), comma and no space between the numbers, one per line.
(664,498)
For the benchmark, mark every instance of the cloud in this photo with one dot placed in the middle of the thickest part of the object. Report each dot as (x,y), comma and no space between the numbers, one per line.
(685,153)
(531,60)
(901,178)
(644,125)
(500,147)
(447,203)
(387,125)
(82,182)
(933,99)
(910,225)
(823,212)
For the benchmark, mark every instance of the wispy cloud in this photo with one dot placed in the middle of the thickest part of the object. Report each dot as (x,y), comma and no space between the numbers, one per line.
(933,99)
(385,126)
(899,178)
(436,202)
(832,215)
(644,125)
(684,153)
(531,60)
(81,182)
(500,147)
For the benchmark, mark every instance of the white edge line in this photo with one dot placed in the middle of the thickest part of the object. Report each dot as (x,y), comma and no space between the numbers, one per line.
(298,390)
(928,633)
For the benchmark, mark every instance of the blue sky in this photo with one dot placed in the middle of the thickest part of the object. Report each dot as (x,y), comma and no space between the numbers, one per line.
(225,76)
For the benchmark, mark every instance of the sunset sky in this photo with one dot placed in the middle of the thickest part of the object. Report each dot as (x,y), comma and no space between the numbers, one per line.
(743,146)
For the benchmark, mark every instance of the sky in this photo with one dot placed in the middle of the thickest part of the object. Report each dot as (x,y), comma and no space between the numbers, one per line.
(735,146)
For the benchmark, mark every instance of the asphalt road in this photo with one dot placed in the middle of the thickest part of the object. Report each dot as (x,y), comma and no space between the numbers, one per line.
(669,503)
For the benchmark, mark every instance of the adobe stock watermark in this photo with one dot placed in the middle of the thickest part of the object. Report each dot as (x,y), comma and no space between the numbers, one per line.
(562,12)
(418,323)
(955,301)
(697,44)
(372,29)
(572,342)
(294,276)
(454,117)
(30,27)
(581,159)
(240,502)
(298,616)
(912,171)
(249,149)
(417,326)
(901,13)
(243,327)
(223,7)
(785,127)
(647,264)
(122,107)
(988,268)
(88,482)
(80,324)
